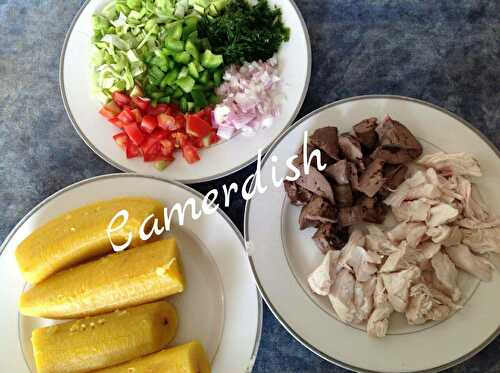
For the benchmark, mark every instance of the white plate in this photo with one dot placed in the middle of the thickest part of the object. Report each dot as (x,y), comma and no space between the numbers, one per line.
(282,255)
(220,160)
(220,306)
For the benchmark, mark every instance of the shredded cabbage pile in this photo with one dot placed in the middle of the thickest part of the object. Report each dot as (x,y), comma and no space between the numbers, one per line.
(126,32)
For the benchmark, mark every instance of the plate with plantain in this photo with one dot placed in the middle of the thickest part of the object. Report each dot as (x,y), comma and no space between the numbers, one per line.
(111,280)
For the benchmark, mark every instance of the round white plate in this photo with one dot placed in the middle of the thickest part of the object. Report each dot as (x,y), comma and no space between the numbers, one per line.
(282,256)
(220,306)
(222,159)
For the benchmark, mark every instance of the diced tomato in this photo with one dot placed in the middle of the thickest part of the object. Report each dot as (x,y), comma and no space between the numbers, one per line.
(153,141)
(163,157)
(137,115)
(114,108)
(156,132)
(141,104)
(205,114)
(167,122)
(120,98)
(160,134)
(121,139)
(195,126)
(110,110)
(106,113)
(126,116)
(167,147)
(197,142)
(180,120)
(174,108)
(180,139)
(149,123)
(152,153)
(214,138)
(134,133)
(190,153)
(132,150)
(160,108)
(117,122)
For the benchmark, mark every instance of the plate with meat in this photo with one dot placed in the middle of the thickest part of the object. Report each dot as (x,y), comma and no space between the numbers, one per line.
(383,236)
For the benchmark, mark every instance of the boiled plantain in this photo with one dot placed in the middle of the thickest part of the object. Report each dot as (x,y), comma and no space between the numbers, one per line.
(102,341)
(186,358)
(143,274)
(80,235)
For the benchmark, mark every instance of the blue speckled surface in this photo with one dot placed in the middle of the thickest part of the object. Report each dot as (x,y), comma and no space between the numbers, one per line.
(445,52)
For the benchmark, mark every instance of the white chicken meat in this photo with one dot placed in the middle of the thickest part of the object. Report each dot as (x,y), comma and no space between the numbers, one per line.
(322,278)
(342,296)
(482,241)
(452,164)
(363,299)
(378,322)
(445,276)
(398,285)
(473,264)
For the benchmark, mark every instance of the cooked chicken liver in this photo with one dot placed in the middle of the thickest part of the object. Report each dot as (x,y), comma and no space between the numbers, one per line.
(326,139)
(362,170)
(393,134)
(365,131)
(343,195)
(339,171)
(330,237)
(372,179)
(317,211)
(324,158)
(351,148)
(392,155)
(316,183)
(395,176)
(297,195)
(350,215)
(373,211)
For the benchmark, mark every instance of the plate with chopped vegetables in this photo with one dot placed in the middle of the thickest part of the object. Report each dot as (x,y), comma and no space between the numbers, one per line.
(189,90)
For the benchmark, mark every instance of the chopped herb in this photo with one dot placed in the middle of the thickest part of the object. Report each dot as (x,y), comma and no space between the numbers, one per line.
(244,32)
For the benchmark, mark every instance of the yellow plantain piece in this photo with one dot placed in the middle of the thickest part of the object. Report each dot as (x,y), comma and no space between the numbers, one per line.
(128,278)
(186,358)
(102,341)
(80,235)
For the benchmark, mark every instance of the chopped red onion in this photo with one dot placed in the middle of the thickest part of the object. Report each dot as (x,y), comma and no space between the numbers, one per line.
(250,98)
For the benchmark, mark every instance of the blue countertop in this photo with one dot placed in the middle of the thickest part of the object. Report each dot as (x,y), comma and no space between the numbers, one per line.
(446,52)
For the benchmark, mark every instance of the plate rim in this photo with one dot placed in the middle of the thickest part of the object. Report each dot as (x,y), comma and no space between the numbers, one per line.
(264,295)
(39,205)
(111,162)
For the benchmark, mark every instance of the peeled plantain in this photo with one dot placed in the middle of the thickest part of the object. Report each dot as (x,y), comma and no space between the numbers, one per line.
(80,235)
(143,274)
(106,340)
(186,358)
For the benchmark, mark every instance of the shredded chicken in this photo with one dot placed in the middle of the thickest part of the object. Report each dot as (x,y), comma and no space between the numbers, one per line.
(342,296)
(473,264)
(439,233)
(378,322)
(363,299)
(445,275)
(417,210)
(482,240)
(452,164)
(376,240)
(413,267)
(454,238)
(427,304)
(442,214)
(398,285)
(322,278)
